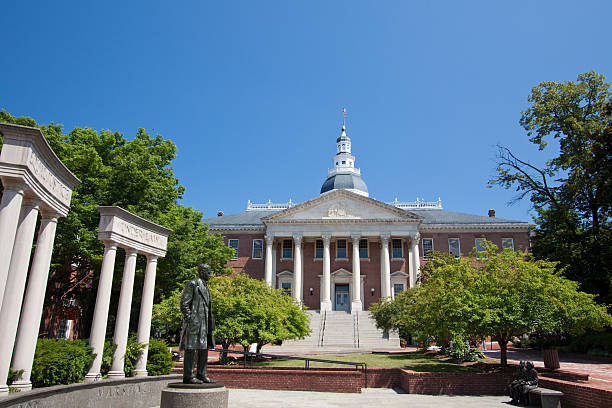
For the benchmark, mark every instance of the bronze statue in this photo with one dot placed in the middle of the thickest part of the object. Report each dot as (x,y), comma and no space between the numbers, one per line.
(526,380)
(198,325)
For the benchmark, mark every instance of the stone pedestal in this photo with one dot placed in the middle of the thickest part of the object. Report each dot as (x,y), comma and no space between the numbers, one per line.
(179,395)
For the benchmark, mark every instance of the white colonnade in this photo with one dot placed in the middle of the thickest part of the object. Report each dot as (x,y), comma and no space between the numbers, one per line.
(120,228)
(35,182)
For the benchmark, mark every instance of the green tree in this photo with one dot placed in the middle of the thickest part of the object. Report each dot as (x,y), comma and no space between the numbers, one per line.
(502,295)
(572,193)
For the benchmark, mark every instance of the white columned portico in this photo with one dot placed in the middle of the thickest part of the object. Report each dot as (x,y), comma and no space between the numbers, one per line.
(122,324)
(269,260)
(120,228)
(297,268)
(356,304)
(100,317)
(144,320)
(32,176)
(29,323)
(326,303)
(15,284)
(386,266)
(10,207)
(415,259)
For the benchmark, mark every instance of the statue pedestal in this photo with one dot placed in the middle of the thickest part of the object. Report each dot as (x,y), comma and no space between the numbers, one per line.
(179,395)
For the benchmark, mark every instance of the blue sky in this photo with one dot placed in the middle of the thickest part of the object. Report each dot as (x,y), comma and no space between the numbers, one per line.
(252,91)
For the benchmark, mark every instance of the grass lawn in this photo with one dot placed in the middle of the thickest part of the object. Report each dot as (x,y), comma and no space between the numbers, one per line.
(411,361)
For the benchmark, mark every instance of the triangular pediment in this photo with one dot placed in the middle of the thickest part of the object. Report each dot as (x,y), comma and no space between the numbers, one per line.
(342,206)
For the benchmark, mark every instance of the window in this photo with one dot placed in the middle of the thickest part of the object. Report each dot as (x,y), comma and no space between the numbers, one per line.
(319,249)
(396,246)
(233,243)
(287,249)
(508,243)
(454,247)
(480,247)
(286,287)
(363,249)
(341,248)
(427,247)
(257,249)
(343,161)
(398,288)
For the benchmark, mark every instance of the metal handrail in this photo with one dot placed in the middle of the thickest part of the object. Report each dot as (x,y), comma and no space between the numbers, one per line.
(358,366)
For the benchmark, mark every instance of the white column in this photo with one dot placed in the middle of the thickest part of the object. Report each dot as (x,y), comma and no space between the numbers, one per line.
(326,303)
(27,333)
(274,266)
(415,259)
(10,208)
(268,271)
(100,318)
(144,320)
(297,268)
(356,301)
(15,286)
(386,266)
(122,324)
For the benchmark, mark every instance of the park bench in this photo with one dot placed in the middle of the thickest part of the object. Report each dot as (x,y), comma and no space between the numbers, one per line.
(545,398)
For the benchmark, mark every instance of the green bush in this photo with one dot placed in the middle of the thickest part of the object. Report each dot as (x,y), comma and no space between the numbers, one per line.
(461,351)
(107,357)
(60,362)
(132,352)
(594,343)
(159,359)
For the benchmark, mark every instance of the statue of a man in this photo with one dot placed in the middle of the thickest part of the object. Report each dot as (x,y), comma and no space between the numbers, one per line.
(198,325)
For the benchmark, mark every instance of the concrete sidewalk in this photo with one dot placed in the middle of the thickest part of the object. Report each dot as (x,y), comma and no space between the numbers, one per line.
(370,397)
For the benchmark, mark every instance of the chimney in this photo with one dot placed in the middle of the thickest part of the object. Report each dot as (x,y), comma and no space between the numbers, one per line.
(492,213)
(220,213)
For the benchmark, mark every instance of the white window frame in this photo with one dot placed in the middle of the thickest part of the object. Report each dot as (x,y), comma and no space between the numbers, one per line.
(345,249)
(322,249)
(511,241)
(481,240)
(285,277)
(458,246)
(235,249)
(401,248)
(399,277)
(260,248)
(424,252)
(367,248)
(283,248)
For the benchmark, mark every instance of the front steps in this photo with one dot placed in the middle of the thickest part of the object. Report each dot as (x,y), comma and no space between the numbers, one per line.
(339,331)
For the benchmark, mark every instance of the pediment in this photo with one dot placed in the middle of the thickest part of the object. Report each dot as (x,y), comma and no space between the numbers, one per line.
(341,273)
(341,206)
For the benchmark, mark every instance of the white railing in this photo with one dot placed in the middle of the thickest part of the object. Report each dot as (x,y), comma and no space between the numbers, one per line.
(269,206)
(419,203)
(347,169)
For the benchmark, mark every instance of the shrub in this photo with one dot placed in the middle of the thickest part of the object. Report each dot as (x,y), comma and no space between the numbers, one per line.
(60,362)
(159,359)
(461,351)
(13,375)
(132,352)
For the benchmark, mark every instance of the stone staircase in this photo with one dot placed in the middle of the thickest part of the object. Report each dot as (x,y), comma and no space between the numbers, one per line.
(337,330)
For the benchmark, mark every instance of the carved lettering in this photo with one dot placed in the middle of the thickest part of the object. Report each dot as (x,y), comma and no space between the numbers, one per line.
(48,179)
(139,234)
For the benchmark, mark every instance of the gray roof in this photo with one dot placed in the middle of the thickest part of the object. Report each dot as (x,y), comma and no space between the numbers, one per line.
(253,219)
(344,181)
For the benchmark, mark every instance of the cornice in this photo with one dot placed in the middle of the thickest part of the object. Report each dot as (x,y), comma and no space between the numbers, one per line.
(476,227)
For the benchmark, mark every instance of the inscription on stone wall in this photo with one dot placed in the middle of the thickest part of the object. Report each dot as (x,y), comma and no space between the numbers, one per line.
(48,179)
(123,391)
(139,234)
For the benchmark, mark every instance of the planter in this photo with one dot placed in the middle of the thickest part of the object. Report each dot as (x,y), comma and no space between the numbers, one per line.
(551,358)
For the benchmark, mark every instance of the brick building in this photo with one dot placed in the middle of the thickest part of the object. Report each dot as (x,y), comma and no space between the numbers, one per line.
(310,248)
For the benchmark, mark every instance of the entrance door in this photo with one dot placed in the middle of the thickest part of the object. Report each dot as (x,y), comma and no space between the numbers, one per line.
(342,298)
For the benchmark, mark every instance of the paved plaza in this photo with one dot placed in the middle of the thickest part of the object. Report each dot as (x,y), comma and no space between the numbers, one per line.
(370,397)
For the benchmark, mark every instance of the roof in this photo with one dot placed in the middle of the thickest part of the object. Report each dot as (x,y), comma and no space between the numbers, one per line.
(252,219)
(344,181)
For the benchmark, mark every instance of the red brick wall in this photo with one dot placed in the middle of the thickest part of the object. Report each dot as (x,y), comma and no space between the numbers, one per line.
(254,267)
(577,395)
(467,240)
(455,383)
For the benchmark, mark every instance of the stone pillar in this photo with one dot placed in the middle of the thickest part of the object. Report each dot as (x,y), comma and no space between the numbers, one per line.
(386,266)
(274,285)
(122,324)
(356,305)
(146,311)
(268,271)
(297,268)
(27,333)
(326,303)
(10,208)
(415,259)
(100,318)
(15,286)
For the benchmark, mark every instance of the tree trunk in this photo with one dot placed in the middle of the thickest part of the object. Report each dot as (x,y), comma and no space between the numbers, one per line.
(503,348)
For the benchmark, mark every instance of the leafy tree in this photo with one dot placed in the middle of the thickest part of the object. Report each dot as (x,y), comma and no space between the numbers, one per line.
(572,193)
(136,175)
(502,295)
